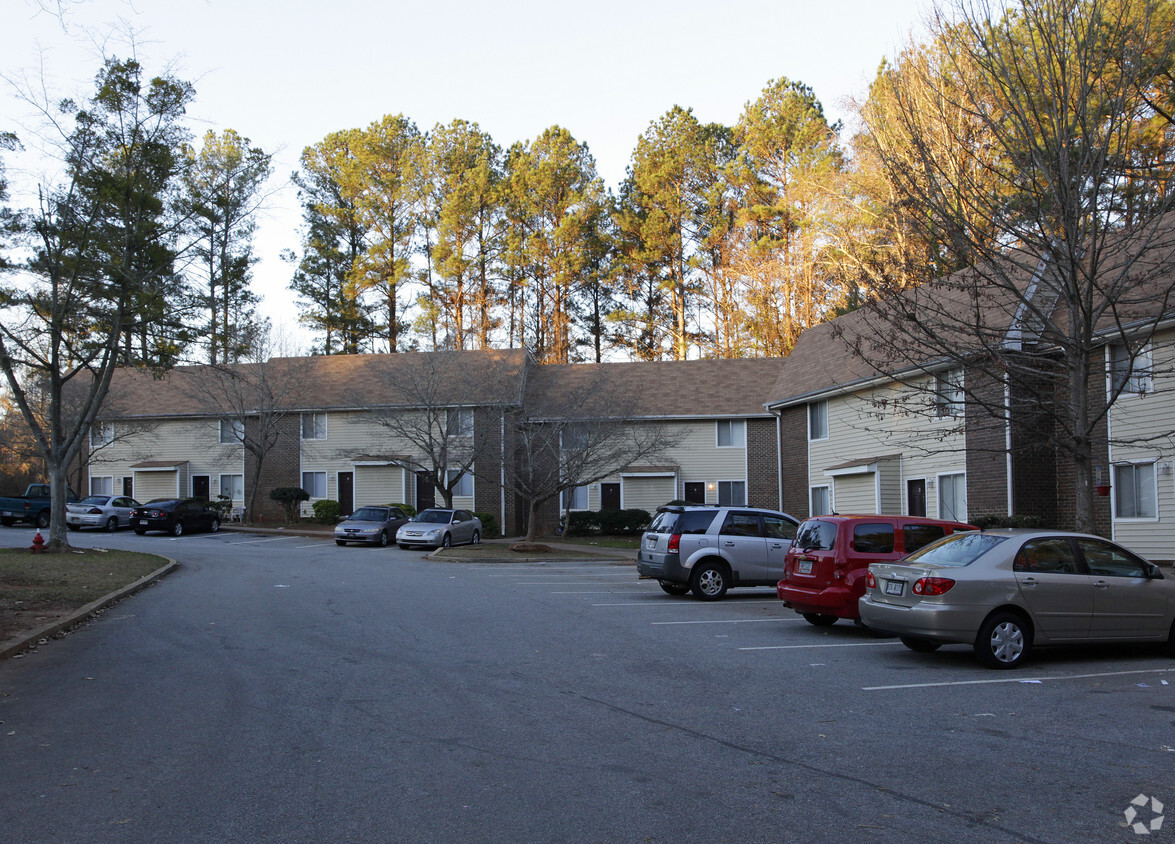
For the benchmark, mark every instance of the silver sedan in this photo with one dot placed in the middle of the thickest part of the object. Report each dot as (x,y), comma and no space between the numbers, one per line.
(371,525)
(109,512)
(437,528)
(1005,591)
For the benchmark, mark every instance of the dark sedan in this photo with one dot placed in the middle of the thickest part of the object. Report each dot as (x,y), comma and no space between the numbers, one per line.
(176,516)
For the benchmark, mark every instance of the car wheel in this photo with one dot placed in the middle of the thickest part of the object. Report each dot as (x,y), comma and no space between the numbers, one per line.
(140,531)
(402,546)
(476,538)
(341,542)
(43,519)
(922,646)
(177,529)
(7,522)
(820,619)
(674,588)
(710,581)
(112,524)
(383,539)
(214,526)
(1003,641)
(447,542)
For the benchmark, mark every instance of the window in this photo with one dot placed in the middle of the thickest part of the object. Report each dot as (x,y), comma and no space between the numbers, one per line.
(815,535)
(313,426)
(1110,560)
(1046,556)
(732,433)
(232,430)
(873,538)
(915,536)
(234,486)
(732,493)
(948,393)
(459,423)
(314,483)
(952,497)
(464,484)
(778,527)
(1130,376)
(821,500)
(741,524)
(1134,491)
(818,420)
(575,498)
(102,485)
(102,433)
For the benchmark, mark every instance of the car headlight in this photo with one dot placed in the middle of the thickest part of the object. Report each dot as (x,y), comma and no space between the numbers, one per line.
(435,532)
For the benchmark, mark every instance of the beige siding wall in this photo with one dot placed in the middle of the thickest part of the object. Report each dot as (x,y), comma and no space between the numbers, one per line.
(855,493)
(379,485)
(872,424)
(195,441)
(1143,426)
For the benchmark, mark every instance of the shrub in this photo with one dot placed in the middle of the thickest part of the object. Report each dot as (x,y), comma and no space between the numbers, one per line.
(994,521)
(489,525)
(327,511)
(290,497)
(408,509)
(609,522)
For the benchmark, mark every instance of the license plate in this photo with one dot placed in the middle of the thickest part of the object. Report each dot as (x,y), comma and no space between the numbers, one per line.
(894,587)
(804,567)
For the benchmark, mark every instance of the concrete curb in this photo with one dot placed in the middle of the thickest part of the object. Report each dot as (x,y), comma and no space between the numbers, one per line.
(15,646)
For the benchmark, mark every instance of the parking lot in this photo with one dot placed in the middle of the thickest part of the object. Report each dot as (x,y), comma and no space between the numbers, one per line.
(283,688)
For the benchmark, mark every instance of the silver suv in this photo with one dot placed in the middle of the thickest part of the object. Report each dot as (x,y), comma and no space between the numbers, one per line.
(710,549)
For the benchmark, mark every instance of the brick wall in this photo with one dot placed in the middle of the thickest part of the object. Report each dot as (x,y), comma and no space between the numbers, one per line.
(793,446)
(762,463)
(280,467)
(986,439)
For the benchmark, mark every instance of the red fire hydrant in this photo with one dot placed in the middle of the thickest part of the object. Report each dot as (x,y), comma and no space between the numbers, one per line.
(38,544)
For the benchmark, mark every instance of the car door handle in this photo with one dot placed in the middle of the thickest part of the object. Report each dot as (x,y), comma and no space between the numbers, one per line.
(1101,584)
(1029,581)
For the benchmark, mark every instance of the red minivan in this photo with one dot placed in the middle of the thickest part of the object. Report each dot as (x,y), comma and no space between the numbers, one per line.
(824,571)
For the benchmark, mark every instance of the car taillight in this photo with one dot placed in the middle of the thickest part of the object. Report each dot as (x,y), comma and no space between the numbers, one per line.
(870,580)
(932,585)
(674,543)
(94,511)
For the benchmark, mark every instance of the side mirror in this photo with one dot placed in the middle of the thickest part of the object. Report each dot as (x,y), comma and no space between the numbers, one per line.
(1154,572)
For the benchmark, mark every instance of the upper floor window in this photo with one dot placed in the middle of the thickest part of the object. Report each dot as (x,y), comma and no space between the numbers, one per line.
(102,433)
(232,430)
(1130,375)
(732,433)
(314,426)
(949,399)
(818,420)
(459,423)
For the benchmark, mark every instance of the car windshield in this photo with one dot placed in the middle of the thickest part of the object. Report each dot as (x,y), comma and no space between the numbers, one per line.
(959,549)
(370,514)
(435,517)
(95,499)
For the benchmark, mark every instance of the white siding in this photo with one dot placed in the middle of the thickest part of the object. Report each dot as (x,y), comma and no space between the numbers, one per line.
(378,485)
(646,493)
(855,493)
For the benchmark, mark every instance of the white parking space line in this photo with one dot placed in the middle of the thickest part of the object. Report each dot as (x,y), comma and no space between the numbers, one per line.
(596,592)
(1015,680)
(549,583)
(568,573)
(319,545)
(260,541)
(732,621)
(837,645)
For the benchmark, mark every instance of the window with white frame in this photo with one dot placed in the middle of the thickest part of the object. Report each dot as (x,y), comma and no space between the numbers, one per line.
(949,399)
(1129,375)
(314,426)
(314,483)
(1134,491)
(731,433)
(101,433)
(233,486)
(818,420)
(459,422)
(732,493)
(821,500)
(102,485)
(952,497)
(464,485)
(232,431)
(575,498)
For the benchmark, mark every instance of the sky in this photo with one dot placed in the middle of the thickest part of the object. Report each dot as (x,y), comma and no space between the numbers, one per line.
(285,74)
